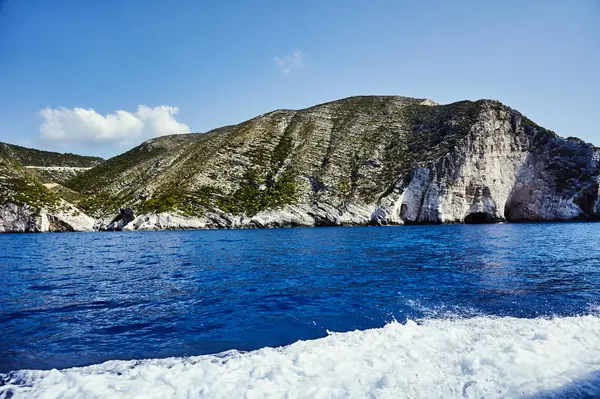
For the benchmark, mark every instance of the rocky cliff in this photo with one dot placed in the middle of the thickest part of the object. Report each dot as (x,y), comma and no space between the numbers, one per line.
(29,192)
(361,160)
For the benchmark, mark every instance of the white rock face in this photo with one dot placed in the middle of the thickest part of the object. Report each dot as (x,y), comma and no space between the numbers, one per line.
(429,102)
(18,219)
(165,221)
(59,168)
(25,219)
(71,217)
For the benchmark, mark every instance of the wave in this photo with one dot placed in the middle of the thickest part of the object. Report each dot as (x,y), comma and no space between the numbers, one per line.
(481,356)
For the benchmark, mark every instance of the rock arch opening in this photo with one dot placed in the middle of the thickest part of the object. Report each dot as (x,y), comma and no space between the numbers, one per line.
(479,218)
(587,201)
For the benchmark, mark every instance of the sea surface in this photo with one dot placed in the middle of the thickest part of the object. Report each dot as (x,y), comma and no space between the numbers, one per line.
(509,310)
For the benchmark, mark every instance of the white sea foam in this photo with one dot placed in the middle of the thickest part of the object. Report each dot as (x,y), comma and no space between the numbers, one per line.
(475,357)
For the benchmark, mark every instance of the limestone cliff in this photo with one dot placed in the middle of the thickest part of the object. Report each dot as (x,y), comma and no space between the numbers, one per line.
(361,160)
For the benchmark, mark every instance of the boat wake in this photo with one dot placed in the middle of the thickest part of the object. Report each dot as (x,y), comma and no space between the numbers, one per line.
(481,356)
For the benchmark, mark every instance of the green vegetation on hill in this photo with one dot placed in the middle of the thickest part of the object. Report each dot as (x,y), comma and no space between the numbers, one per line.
(251,198)
(97,177)
(31,157)
(94,180)
(100,204)
(20,188)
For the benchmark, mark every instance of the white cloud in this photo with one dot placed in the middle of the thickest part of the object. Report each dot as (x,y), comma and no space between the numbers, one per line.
(290,62)
(121,128)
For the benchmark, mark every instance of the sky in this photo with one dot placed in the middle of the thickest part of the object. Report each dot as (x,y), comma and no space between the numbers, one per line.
(99,77)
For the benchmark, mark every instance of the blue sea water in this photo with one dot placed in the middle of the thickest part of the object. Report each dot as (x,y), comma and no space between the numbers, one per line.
(501,311)
(75,299)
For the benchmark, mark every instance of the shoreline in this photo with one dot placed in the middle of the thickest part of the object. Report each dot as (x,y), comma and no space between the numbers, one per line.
(319,226)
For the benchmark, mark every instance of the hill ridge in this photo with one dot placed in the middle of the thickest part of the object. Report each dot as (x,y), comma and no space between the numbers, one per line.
(357,160)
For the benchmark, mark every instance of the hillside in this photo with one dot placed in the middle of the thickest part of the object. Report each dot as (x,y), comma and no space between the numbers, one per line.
(360,160)
(17,186)
(31,157)
(48,166)
(26,201)
(380,160)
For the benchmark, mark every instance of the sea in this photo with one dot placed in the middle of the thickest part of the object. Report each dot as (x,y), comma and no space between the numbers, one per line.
(439,311)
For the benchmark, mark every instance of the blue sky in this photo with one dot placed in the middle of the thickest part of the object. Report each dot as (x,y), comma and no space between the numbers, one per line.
(178,65)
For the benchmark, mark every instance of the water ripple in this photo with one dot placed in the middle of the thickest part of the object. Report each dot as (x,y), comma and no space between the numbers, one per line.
(74,299)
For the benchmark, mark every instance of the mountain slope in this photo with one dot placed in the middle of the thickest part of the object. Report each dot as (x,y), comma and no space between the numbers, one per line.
(360,160)
(26,204)
(32,157)
(48,166)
